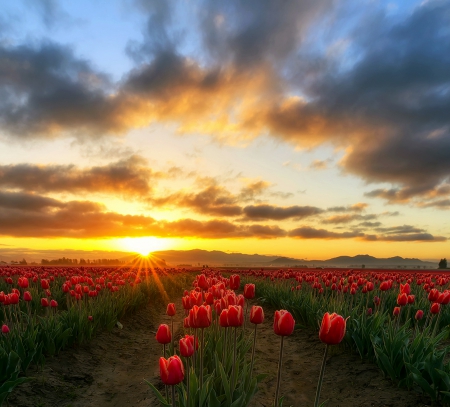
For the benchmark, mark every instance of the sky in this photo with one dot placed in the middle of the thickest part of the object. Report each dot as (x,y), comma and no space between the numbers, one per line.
(302,128)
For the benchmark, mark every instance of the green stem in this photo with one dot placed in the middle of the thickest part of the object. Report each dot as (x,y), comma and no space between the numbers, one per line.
(233,370)
(173,396)
(188,386)
(279,372)
(201,360)
(253,353)
(322,371)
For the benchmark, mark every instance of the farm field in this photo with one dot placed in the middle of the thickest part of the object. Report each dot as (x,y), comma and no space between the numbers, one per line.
(110,363)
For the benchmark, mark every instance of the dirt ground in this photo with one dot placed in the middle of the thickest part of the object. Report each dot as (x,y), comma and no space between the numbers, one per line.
(111,369)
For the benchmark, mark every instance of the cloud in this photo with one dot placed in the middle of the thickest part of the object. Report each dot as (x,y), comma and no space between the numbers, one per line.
(129,176)
(25,215)
(348,218)
(357,207)
(380,90)
(28,215)
(319,164)
(307,232)
(409,237)
(280,213)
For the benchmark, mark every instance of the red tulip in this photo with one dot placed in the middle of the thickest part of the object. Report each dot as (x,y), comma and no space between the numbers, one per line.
(411,299)
(235,316)
(44,302)
(202,282)
(385,285)
(332,329)
(405,289)
(44,284)
(284,323)
(13,298)
(396,312)
(186,323)
(419,315)
(369,311)
(171,370)
(90,318)
(53,304)
(223,319)
(23,282)
(5,329)
(433,295)
(187,346)
(235,281)
(249,291)
(402,299)
(163,335)
(203,316)
(27,296)
(435,308)
(186,302)
(444,298)
(171,309)
(256,315)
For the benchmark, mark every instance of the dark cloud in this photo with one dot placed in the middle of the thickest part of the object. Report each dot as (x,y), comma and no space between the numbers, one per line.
(400,229)
(409,237)
(280,213)
(348,218)
(384,96)
(357,207)
(252,32)
(307,232)
(122,177)
(369,224)
(213,200)
(27,202)
(25,215)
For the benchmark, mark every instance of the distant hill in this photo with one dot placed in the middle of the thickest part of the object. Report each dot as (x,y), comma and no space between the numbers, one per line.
(218,258)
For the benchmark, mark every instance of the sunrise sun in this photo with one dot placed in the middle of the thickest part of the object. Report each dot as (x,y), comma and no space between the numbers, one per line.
(142,245)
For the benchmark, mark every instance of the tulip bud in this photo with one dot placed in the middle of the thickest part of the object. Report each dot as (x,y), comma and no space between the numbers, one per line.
(5,329)
(171,370)
(435,308)
(419,315)
(27,296)
(396,312)
(332,329)
(90,318)
(402,299)
(187,346)
(249,291)
(44,302)
(284,323)
(256,315)
(171,309)
(163,335)
(235,316)
(223,319)
(411,299)
(369,311)
(53,304)
(44,284)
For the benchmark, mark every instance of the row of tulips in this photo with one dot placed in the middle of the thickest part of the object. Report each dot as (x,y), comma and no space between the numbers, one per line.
(44,309)
(214,358)
(399,320)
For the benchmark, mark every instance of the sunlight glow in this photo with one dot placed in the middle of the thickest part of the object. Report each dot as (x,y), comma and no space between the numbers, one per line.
(142,245)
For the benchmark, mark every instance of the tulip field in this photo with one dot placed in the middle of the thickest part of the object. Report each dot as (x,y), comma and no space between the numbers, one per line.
(222,329)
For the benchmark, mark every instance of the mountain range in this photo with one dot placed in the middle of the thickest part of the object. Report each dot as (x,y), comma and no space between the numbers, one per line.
(198,257)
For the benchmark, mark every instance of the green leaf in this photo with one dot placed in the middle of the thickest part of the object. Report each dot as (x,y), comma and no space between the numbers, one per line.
(213,400)
(163,401)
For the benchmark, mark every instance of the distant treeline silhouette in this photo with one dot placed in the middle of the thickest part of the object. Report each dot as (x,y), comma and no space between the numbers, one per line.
(75,262)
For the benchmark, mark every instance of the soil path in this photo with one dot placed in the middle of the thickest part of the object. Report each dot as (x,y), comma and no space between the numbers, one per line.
(110,371)
(348,382)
